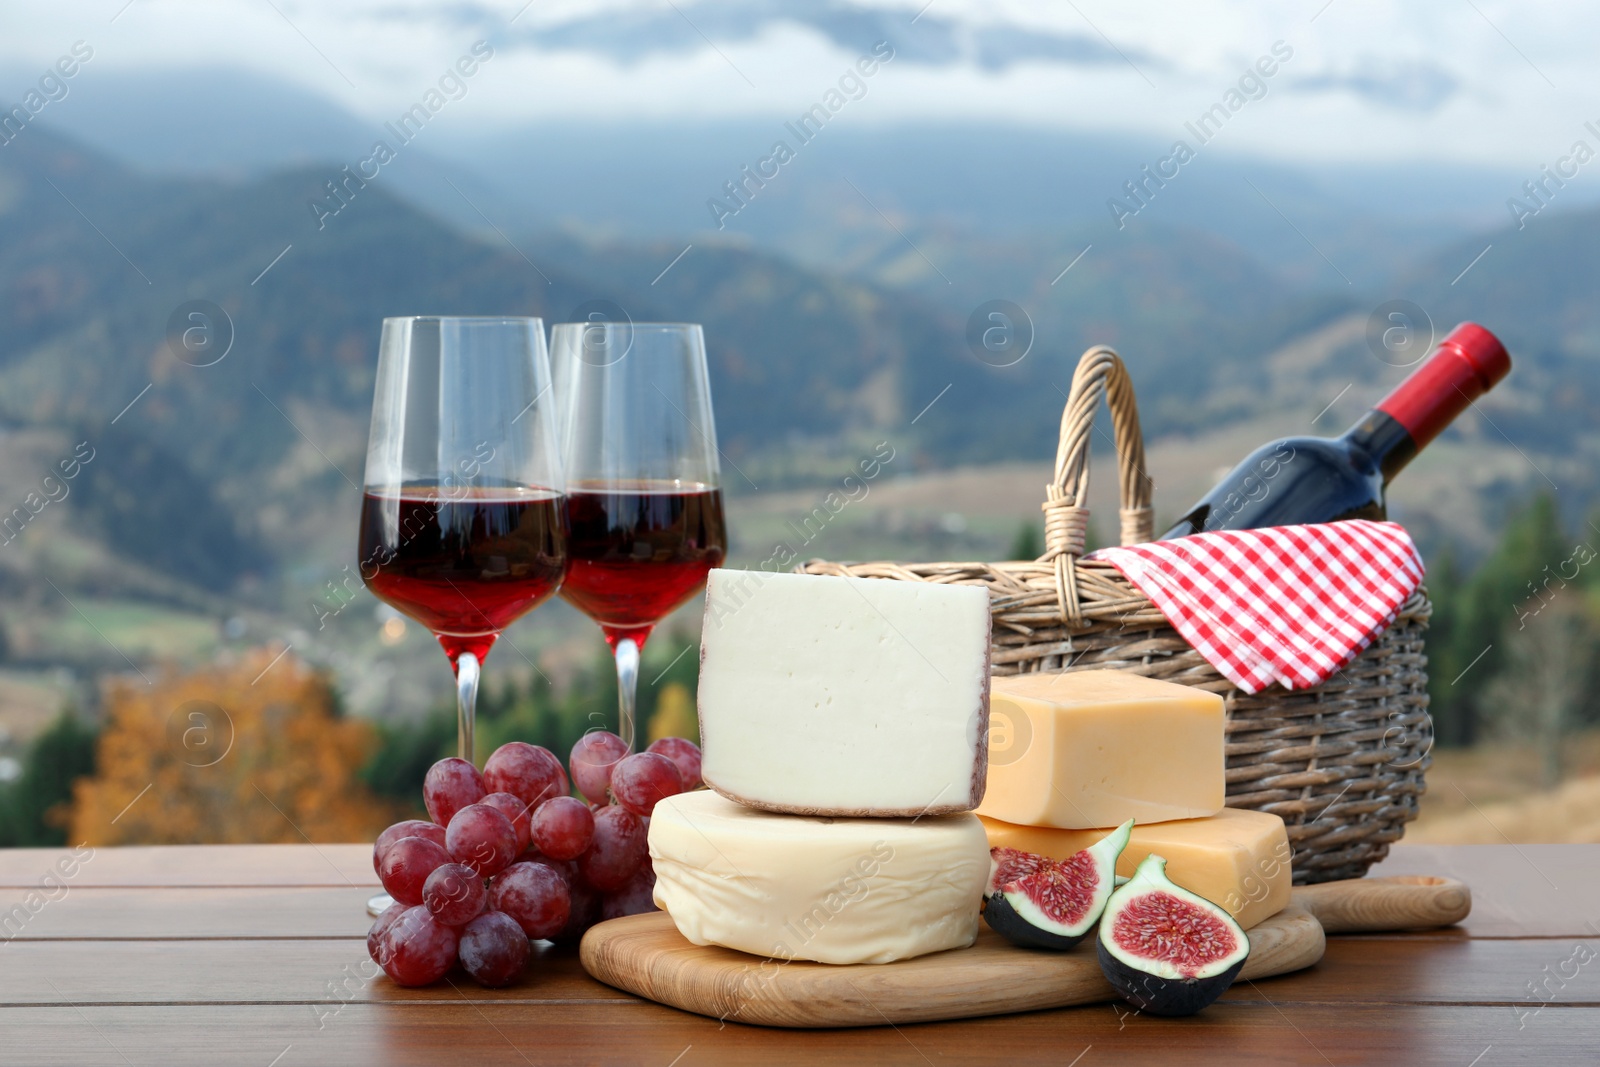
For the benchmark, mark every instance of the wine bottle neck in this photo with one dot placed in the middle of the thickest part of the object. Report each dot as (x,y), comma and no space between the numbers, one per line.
(1467,364)
(1387,444)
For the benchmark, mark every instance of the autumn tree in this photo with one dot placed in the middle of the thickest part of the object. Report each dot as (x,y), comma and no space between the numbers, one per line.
(674,715)
(253,751)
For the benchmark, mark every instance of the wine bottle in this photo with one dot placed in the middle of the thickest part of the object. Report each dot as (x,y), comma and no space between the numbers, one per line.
(1322,479)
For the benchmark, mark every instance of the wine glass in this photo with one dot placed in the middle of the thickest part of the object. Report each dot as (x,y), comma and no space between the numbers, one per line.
(463,519)
(643,486)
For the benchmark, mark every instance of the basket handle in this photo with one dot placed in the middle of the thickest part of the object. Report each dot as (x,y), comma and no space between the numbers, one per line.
(1100,373)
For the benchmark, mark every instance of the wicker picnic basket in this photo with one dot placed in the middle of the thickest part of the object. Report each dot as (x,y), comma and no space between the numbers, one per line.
(1342,763)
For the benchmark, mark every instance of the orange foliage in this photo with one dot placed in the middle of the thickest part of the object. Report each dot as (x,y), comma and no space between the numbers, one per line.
(674,715)
(240,753)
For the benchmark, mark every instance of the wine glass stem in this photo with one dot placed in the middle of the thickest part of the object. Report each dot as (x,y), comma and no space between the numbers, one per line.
(627,687)
(466,703)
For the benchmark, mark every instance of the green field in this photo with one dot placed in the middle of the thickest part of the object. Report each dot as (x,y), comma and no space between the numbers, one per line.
(92,631)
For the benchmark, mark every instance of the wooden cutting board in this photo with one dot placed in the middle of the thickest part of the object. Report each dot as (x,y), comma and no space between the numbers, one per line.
(645,955)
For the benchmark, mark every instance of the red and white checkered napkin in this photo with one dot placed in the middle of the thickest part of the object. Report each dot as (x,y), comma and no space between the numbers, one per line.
(1287,604)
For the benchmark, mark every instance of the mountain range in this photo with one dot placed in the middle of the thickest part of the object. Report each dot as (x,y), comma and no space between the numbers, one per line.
(652,179)
(842,311)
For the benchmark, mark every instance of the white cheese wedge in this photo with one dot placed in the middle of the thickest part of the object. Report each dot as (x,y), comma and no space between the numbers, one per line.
(829,890)
(844,696)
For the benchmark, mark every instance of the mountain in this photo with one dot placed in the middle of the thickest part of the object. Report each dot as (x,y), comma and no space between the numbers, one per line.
(652,180)
(1535,287)
(240,476)
(96,259)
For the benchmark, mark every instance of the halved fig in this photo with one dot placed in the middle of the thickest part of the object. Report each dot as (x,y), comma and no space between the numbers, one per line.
(1166,950)
(1037,902)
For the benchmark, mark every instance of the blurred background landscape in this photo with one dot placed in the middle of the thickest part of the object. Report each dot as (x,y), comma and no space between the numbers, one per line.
(199,559)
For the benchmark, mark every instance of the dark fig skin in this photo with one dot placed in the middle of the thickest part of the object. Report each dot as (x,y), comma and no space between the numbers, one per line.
(1004,920)
(1164,996)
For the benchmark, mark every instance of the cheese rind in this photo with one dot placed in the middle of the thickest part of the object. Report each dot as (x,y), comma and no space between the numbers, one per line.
(1089,749)
(1237,859)
(829,890)
(823,695)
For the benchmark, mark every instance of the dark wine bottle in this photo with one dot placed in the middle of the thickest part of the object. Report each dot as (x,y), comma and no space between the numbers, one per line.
(1323,479)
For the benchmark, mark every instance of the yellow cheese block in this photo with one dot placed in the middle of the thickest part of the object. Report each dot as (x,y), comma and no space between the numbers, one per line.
(1237,859)
(1097,748)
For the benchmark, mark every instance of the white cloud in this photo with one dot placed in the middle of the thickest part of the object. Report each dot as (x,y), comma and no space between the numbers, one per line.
(1368,81)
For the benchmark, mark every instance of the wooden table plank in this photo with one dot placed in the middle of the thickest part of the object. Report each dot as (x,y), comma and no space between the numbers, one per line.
(187,913)
(1238,1035)
(1510,896)
(1517,890)
(1521,890)
(1391,970)
(1535,890)
(196,865)
(324,974)
(1411,969)
(269,965)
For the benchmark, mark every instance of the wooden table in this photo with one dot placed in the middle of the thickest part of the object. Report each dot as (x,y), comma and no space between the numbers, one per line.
(254,955)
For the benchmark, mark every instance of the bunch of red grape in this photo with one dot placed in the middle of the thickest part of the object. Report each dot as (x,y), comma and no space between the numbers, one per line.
(511,856)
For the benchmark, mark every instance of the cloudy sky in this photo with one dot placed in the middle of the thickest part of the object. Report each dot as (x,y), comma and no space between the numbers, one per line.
(1485,81)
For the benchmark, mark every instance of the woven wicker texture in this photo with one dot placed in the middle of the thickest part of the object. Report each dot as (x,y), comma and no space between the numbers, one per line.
(1342,763)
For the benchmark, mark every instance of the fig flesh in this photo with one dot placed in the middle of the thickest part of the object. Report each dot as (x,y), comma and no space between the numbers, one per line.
(1034,901)
(1164,949)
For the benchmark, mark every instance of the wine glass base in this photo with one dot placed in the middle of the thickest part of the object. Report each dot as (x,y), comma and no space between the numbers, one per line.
(377,905)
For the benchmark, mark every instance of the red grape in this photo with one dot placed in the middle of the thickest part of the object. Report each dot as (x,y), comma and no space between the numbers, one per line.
(535,895)
(407,864)
(616,852)
(684,753)
(567,869)
(493,949)
(642,779)
(583,913)
(513,808)
(379,928)
(409,828)
(528,772)
(592,759)
(455,894)
(451,785)
(562,828)
(482,838)
(417,948)
(635,898)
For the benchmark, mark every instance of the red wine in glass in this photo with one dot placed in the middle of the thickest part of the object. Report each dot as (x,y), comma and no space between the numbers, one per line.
(641,453)
(465,562)
(463,522)
(639,551)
